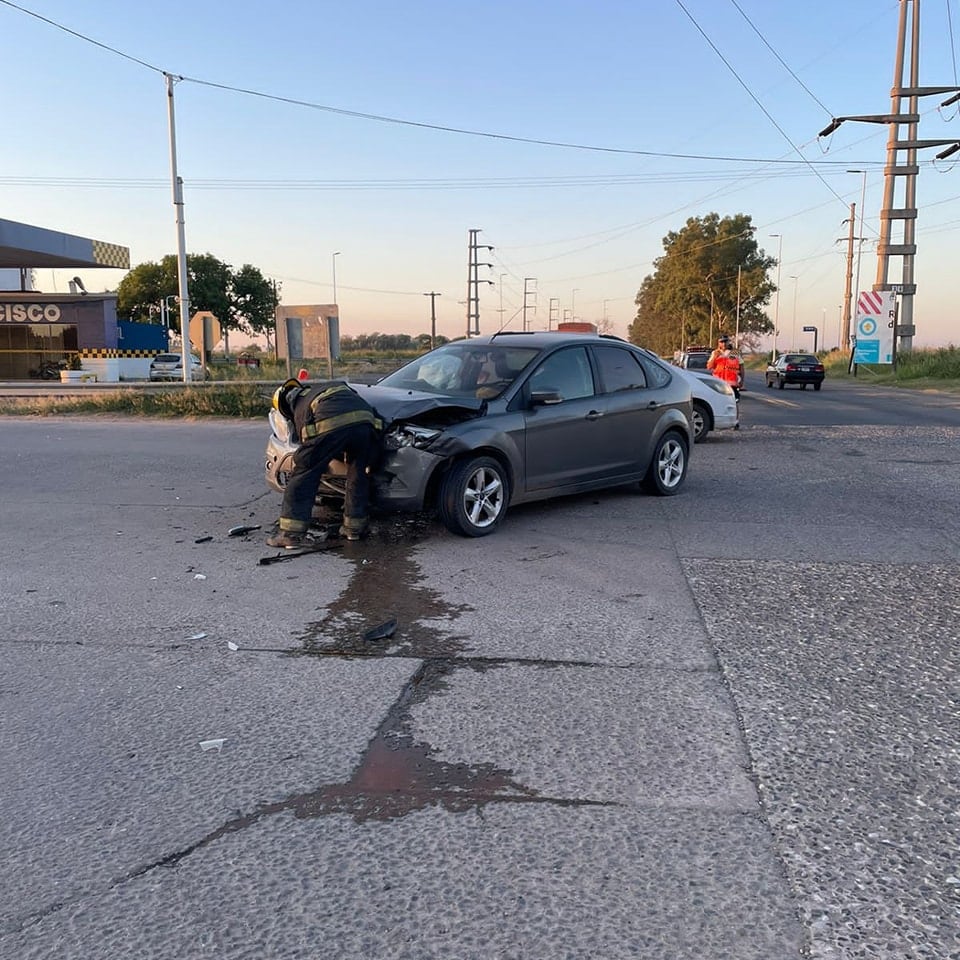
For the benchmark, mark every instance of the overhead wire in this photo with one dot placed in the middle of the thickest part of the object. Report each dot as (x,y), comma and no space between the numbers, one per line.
(783,62)
(381,118)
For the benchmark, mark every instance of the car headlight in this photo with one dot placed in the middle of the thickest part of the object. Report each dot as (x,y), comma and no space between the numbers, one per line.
(721,386)
(408,435)
(281,426)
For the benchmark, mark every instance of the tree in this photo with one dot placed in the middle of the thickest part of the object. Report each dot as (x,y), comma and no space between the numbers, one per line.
(241,300)
(708,267)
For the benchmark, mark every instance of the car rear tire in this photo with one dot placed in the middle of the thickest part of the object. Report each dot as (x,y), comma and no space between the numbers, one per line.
(781,383)
(701,421)
(474,497)
(817,386)
(769,383)
(668,466)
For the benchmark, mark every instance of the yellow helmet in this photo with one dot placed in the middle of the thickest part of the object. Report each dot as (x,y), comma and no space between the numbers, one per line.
(285,396)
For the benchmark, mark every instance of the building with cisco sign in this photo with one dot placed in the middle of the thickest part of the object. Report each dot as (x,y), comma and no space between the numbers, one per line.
(38,329)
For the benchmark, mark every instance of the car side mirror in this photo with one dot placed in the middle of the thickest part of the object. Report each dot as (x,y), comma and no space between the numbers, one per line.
(543,398)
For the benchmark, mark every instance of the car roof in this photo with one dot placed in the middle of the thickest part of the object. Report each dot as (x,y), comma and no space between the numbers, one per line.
(540,338)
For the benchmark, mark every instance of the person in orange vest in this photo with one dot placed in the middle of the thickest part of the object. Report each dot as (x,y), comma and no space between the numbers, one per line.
(726,365)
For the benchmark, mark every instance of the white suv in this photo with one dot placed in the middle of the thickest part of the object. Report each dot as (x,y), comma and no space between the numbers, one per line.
(169,366)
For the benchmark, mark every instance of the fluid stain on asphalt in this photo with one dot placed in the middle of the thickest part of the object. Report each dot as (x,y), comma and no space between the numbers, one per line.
(395,777)
(387,585)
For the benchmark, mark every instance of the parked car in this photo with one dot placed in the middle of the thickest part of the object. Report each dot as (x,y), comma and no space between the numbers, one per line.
(477,425)
(169,366)
(715,405)
(801,368)
(695,360)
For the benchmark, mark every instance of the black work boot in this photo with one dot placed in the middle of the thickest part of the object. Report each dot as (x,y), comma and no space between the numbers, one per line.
(353,528)
(289,540)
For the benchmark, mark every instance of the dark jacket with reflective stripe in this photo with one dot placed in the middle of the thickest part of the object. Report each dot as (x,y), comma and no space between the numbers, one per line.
(328,407)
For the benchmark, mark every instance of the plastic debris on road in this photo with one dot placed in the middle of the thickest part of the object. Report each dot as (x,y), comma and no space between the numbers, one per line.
(382,632)
(231,645)
(318,547)
(212,744)
(197,636)
(242,529)
(199,576)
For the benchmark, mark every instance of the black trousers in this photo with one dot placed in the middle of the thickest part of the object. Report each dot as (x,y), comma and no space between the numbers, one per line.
(359,444)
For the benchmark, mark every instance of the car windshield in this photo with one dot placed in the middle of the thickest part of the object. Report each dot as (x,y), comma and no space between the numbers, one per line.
(464,370)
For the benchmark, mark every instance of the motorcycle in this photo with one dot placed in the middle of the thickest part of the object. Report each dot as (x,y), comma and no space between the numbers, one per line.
(49,370)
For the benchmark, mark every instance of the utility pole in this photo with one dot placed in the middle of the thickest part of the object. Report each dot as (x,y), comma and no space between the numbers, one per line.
(776,309)
(433,317)
(473,283)
(907,171)
(527,293)
(845,326)
(184,295)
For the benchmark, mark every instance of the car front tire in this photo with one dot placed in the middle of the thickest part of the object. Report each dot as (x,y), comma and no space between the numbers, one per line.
(668,466)
(474,497)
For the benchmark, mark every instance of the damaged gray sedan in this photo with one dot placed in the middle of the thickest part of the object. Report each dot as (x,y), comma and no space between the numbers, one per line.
(477,425)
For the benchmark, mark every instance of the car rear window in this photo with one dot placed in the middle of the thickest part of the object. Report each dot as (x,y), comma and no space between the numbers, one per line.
(801,358)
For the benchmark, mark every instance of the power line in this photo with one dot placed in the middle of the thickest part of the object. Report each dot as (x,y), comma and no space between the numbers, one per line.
(754,97)
(462,131)
(81,36)
(783,63)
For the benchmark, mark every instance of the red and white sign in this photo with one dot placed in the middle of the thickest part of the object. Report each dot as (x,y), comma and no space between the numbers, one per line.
(872,302)
(876,313)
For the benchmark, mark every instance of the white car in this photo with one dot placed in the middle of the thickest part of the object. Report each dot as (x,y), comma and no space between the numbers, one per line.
(715,405)
(169,366)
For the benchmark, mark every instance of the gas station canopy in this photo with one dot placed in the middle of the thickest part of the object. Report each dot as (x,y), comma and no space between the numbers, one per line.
(24,246)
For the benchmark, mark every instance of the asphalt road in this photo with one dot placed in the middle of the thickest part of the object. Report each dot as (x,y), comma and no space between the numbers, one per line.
(719,725)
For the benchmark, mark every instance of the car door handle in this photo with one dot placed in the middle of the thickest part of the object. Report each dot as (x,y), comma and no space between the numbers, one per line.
(594,415)
(652,405)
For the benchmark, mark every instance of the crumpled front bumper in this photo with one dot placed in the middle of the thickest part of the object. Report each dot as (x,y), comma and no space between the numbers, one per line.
(399,483)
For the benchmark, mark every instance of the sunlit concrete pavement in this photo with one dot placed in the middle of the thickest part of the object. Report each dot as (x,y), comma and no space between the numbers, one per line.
(717,725)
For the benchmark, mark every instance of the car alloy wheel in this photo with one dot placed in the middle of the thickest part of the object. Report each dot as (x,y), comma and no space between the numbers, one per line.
(668,467)
(474,497)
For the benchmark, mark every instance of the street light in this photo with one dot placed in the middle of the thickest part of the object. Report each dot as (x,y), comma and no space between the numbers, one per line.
(856,295)
(165,310)
(334,261)
(793,332)
(776,309)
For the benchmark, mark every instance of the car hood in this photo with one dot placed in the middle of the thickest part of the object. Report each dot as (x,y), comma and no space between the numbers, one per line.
(412,406)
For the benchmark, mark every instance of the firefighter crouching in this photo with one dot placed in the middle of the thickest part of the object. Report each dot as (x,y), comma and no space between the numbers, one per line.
(331,422)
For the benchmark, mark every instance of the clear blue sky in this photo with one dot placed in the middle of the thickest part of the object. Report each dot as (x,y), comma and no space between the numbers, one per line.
(283,186)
